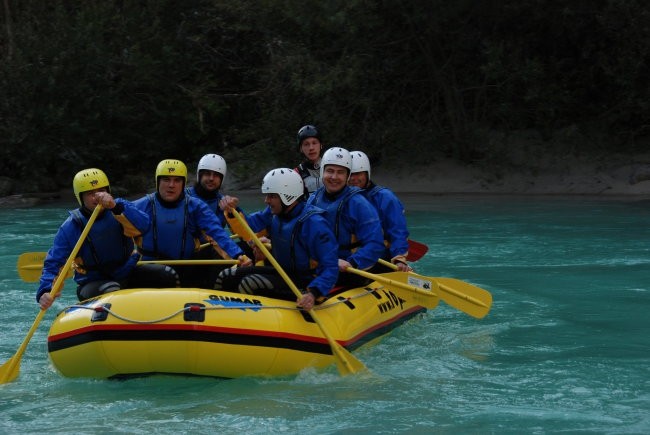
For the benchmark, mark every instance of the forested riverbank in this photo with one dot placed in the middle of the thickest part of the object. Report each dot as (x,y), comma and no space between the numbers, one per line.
(508,97)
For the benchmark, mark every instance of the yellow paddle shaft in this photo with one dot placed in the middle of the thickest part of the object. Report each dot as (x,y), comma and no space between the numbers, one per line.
(346,362)
(394,283)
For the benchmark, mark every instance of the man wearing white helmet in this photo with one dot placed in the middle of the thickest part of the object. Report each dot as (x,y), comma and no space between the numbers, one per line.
(389,208)
(355,221)
(300,236)
(210,175)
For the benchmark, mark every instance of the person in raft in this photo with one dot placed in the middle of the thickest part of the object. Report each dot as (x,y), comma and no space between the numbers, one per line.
(390,210)
(210,175)
(355,221)
(311,149)
(178,223)
(302,243)
(107,260)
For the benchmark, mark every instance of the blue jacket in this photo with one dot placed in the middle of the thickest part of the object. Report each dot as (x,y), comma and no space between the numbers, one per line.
(176,229)
(356,224)
(106,254)
(298,239)
(211,199)
(391,214)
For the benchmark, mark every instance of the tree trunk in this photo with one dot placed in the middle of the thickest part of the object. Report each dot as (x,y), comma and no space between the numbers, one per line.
(10,35)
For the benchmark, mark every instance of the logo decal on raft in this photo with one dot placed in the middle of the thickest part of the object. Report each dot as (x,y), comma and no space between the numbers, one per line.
(393,302)
(234,302)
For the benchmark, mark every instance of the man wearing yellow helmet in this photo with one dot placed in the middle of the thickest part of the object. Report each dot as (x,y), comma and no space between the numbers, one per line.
(106,260)
(178,223)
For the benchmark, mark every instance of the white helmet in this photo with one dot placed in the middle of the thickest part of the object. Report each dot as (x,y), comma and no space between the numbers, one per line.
(285,182)
(211,162)
(360,162)
(336,156)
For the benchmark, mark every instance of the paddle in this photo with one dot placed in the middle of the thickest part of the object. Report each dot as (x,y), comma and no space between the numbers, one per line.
(9,370)
(30,264)
(417,250)
(463,296)
(187,262)
(427,288)
(236,227)
(345,361)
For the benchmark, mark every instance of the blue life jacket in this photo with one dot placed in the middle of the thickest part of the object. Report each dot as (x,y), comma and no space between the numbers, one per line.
(355,223)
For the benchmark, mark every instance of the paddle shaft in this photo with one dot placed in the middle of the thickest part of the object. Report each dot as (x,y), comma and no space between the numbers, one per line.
(186,262)
(346,362)
(10,372)
(458,293)
(393,283)
(450,290)
(30,264)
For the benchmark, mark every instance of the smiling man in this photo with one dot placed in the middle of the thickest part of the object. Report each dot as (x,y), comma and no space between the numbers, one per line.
(354,220)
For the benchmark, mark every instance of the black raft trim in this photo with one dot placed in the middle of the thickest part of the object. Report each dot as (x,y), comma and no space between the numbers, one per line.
(385,329)
(166,334)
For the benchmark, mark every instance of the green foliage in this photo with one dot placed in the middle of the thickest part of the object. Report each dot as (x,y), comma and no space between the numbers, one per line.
(124,84)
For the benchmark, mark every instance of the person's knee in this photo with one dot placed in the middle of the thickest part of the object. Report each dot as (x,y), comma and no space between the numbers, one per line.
(96,288)
(108,287)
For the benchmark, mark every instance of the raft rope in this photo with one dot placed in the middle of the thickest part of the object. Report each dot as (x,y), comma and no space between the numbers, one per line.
(102,308)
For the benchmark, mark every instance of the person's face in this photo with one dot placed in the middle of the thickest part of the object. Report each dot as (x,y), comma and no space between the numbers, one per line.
(170,188)
(88,197)
(274,202)
(359,179)
(210,180)
(310,147)
(334,178)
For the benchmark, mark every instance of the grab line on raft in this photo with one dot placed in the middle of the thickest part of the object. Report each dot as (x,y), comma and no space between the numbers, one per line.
(102,308)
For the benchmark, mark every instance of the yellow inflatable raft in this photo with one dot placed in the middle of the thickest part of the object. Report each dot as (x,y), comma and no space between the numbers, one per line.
(221,334)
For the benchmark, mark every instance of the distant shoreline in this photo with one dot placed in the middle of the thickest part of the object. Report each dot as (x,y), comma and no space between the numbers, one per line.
(618,178)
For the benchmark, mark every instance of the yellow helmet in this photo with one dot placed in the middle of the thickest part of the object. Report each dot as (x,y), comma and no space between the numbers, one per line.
(171,168)
(89,179)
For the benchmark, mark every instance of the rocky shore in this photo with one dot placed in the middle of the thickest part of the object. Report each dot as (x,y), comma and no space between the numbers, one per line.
(616,176)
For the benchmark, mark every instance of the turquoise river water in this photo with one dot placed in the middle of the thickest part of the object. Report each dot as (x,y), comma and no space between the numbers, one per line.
(565,348)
